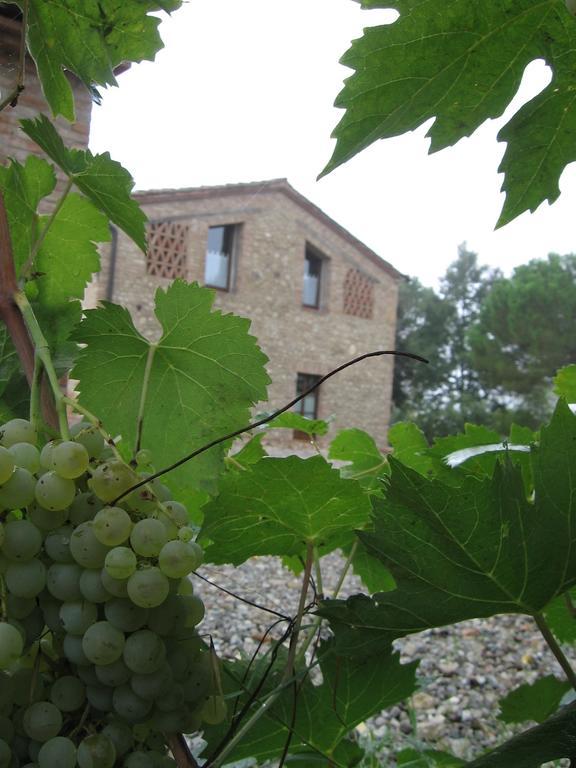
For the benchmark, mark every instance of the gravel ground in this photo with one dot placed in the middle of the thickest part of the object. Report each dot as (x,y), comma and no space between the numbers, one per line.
(464,670)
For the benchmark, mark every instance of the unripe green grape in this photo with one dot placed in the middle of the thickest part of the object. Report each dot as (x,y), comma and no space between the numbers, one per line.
(120,734)
(63,581)
(143,457)
(153,685)
(138,759)
(100,697)
(195,610)
(68,693)
(116,587)
(27,456)
(179,558)
(124,615)
(46,454)
(186,533)
(69,459)
(18,491)
(120,563)
(88,436)
(42,721)
(172,700)
(58,752)
(96,751)
(111,480)
(11,645)
(27,579)
(173,518)
(17,431)
(74,651)
(144,652)
(114,674)
(91,586)
(6,465)
(163,618)
(85,547)
(46,519)
(54,492)
(102,643)
(148,537)
(22,540)
(112,526)
(148,588)
(129,706)
(57,544)
(84,508)
(78,616)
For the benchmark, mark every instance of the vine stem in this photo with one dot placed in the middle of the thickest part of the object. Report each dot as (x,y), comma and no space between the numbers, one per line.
(35,394)
(141,408)
(287,679)
(11,99)
(179,748)
(27,268)
(43,355)
(555,648)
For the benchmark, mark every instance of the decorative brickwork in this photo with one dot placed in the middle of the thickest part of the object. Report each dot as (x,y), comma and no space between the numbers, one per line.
(358,294)
(167,249)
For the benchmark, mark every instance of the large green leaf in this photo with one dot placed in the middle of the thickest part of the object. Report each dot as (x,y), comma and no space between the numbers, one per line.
(461,63)
(90,38)
(560,616)
(279,506)
(468,552)
(104,181)
(351,691)
(292,420)
(409,446)
(374,574)
(365,463)
(565,383)
(537,701)
(552,740)
(196,384)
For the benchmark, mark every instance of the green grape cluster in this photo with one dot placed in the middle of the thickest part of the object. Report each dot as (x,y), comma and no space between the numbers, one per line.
(100,657)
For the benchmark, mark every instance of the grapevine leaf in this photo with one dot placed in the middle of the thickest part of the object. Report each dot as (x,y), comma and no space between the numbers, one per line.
(250,453)
(89,39)
(104,181)
(533,702)
(468,552)
(351,691)
(278,507)
(565,383)
(292,420)
(560,617)
(552,740)
(461,63)
(427,758)
(195,384)
(411,448)
(374,574)
(365,462)
(24,186)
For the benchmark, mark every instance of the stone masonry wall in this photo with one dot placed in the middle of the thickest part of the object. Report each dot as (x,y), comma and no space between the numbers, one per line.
(267,288)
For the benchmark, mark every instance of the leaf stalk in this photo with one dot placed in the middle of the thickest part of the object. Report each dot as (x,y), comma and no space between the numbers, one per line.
(555,648)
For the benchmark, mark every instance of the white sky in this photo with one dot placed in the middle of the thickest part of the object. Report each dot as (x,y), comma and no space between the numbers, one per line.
(244,91)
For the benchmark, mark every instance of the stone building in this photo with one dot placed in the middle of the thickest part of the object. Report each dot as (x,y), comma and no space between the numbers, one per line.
(316,295)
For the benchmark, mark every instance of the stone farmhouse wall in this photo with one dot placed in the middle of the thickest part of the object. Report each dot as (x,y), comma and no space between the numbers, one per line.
(273,227)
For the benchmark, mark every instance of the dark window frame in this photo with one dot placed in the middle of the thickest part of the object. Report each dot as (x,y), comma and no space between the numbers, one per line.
(303,382)
(231,232)
(313,256)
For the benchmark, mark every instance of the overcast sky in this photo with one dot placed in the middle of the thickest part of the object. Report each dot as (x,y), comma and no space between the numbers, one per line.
(244,91)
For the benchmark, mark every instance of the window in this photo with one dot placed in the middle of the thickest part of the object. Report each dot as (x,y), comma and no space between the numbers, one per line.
(312,278)
(219,254)
(358,294)
(308,406)
(167,249)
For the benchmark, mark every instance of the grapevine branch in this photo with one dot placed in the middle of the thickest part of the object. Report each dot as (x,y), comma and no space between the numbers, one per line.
(266,419)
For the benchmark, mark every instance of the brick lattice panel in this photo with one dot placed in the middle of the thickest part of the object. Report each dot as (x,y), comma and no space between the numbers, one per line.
(167,249)
(358,294)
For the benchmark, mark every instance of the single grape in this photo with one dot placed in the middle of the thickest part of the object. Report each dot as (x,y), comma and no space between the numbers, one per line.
(138,759)
(195,610)
(186,533)
(114,674)
(120,563)
(172,699)
(112,526)
(46,454)
(164,617)
(42,721)
(11,645)
(111,479)
(27,456)
(144,652)
(173,517)
(88,436)
(45,519)
(120,734)
(116,587)
(26,580)
(17,431)
(74,651)
(85,547)
(18,491)
(129,706)
(63,581)
(84,508)
(148,537)
(124,615)
(22,540)
(77,616)
(59,751)
(54,492)
(100,697)
(57,545)
(68,693)
(179,558)
(91,586)
(153,685)
(143,457)
(69,459)
(148,588)
(102,643)
(6,465)
(96,751)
